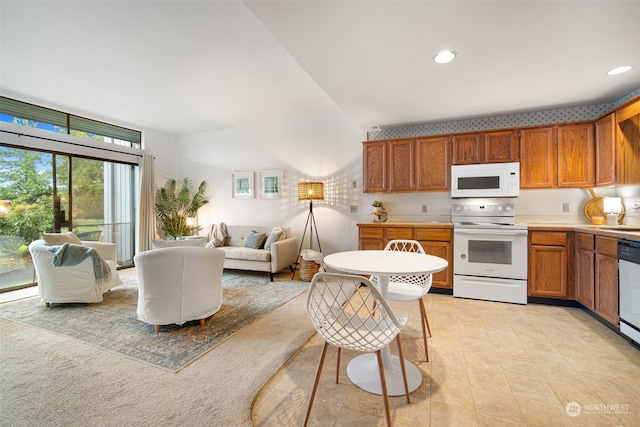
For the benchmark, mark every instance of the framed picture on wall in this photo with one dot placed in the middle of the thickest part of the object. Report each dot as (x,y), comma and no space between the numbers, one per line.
(243,185)
(271,182)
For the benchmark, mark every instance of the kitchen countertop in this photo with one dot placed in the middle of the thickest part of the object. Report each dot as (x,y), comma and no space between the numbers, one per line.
(616,231)
(620,231)
(407,224)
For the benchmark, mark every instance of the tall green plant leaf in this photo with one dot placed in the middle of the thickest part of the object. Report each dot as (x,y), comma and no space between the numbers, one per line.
(174,205)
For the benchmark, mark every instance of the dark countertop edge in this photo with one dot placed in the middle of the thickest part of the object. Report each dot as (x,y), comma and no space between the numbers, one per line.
(582,228)
(406,224)
(589,229)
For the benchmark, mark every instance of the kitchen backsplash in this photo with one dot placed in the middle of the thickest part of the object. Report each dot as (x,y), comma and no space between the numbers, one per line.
(532,206)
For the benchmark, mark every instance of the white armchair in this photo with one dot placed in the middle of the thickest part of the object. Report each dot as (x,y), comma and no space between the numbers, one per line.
(65,284)
(178,284)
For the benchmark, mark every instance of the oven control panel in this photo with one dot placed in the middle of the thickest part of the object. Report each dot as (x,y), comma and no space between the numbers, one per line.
(504,209)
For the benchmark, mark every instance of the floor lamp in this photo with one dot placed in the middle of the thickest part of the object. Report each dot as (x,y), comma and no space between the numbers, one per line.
(309,191)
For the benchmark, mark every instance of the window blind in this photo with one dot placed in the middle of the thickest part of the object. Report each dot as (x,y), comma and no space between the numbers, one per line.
(104,129)
(36,113)
(39,114)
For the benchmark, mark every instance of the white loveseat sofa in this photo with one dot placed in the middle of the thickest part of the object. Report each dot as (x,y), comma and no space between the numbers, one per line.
(277,256)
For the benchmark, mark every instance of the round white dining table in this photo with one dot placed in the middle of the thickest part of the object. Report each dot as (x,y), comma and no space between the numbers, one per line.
(363,370)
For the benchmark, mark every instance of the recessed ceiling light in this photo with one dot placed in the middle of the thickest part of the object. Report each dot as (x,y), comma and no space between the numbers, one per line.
(619,70)
(444,57)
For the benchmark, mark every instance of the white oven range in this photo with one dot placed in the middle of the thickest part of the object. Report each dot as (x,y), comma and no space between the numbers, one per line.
(489,252)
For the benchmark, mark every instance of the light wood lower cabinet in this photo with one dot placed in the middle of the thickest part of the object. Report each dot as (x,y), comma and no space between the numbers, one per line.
(435,241)
(606,295)
(397,233)
(438,242)
(585,269)
(549,264)
(371,238)
(597,275)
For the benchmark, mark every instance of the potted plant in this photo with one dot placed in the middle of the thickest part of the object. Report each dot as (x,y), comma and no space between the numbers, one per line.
(377,204)
(175,204)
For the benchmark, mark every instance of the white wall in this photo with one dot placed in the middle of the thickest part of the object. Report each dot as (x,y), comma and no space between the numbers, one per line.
(163,147)
(327,148)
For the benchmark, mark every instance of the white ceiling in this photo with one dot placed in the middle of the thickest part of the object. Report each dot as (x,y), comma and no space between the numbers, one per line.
(185,67)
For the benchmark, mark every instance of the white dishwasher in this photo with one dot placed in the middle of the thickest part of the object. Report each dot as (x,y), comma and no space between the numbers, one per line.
(629,287)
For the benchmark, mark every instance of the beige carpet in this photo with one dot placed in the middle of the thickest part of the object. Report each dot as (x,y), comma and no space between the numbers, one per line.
(113,324)
(50,380)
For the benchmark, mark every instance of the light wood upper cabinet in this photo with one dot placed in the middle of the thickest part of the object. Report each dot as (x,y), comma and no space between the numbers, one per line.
(433,169)
(605,146)
(557,156)
(407,165)
(374,158)
(468,149)
(402,164)
(501,147)
(538,153)
(576,156)
(617,147)
(628,144)
(487,147)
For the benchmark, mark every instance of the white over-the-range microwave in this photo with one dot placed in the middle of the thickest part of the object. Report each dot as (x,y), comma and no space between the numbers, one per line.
(485,180)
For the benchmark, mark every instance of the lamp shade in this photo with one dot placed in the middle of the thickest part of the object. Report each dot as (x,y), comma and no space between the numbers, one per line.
(612,204)
(310,191)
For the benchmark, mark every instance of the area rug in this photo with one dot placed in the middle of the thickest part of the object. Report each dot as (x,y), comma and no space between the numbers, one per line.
(112,325)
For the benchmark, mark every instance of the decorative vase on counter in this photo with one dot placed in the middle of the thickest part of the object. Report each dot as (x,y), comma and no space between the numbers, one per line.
(379,215)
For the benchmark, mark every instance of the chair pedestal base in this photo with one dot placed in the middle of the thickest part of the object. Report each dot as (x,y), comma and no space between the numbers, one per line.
(363,372)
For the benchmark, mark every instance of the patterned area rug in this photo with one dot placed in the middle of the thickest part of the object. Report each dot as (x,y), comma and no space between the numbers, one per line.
(112,325)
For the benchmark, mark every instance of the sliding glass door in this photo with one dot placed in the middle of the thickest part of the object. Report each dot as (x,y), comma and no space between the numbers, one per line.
(53,192)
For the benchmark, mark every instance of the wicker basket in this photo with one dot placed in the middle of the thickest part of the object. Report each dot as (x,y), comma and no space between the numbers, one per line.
(308,269)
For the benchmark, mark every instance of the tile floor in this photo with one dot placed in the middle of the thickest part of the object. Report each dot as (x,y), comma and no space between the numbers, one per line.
(491,364)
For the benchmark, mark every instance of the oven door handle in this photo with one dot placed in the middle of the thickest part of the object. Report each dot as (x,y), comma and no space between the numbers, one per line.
(486,231)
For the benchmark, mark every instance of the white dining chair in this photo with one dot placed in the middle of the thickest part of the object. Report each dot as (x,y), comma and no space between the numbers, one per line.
(348,312)
(410,287)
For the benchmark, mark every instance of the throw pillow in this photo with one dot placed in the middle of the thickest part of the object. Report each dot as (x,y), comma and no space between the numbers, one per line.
(57,239)
(255,240)
(158,244)
(274,236)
